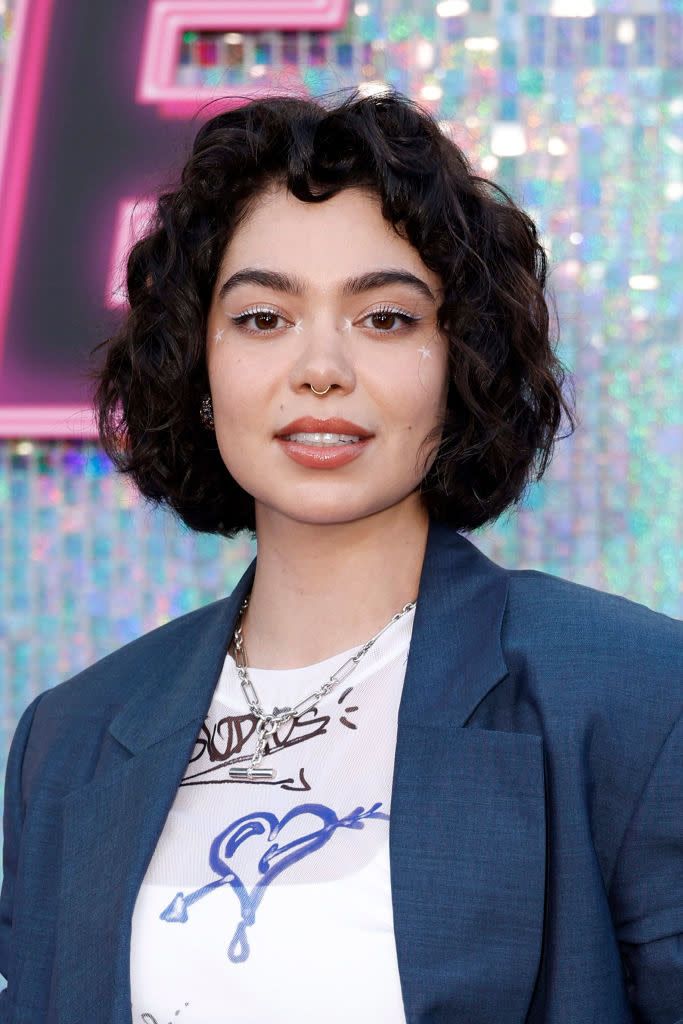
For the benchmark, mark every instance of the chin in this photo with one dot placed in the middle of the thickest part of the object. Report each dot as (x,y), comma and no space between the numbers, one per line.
(333,512)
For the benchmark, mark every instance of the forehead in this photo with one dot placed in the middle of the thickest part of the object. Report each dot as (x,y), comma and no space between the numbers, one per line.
(322,243)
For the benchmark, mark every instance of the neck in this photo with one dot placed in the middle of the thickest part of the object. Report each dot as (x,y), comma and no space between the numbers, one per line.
(320,590)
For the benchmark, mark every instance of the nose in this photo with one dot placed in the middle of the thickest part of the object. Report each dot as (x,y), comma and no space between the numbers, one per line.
(323,362)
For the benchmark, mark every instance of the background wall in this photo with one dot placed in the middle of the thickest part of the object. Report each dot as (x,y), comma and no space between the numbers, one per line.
(580,118)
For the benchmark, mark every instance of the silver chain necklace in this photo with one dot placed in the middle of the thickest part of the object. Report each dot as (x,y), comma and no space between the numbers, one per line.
(268,724)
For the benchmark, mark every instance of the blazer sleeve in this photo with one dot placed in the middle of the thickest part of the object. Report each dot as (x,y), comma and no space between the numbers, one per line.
(13,821)
(647,895)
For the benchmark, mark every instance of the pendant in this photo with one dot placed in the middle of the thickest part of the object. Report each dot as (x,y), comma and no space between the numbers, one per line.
(249,774)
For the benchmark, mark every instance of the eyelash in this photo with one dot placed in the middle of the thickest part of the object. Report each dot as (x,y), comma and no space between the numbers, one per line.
(407,319)
(241,319)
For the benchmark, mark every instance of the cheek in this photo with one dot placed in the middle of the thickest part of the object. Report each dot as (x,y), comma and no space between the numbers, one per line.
(232,384)
(231,416)
(432,384)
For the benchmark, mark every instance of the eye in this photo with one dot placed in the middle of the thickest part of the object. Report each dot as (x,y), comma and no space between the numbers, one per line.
(389,320)
(260,320)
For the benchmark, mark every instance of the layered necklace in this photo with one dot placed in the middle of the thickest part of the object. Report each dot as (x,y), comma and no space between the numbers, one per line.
(268,723)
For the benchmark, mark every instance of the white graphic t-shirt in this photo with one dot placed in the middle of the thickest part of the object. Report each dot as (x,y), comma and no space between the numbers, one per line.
(272,900)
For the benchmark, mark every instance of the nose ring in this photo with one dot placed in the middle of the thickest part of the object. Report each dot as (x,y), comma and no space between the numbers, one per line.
(320,393)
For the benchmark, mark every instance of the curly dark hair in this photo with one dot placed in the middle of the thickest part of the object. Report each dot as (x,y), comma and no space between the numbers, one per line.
(505,399)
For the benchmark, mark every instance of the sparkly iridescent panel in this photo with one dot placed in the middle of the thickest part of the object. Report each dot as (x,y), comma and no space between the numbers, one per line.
(580,118)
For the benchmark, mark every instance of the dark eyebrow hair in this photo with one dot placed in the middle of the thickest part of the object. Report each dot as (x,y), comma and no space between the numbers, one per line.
(378,278)
(268,278)
(352,286)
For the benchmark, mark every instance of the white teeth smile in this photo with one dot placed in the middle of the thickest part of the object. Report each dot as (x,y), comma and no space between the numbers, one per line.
(322,440)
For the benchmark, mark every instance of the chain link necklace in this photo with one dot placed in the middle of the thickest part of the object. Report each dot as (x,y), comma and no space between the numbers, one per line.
(268,724)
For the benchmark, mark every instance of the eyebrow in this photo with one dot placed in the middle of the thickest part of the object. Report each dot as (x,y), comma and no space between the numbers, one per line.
(268,278)
(292,285)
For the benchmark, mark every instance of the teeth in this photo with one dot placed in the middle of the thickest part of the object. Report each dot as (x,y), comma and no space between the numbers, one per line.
(322,439)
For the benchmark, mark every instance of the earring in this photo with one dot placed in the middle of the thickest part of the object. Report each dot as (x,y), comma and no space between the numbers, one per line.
(206,413)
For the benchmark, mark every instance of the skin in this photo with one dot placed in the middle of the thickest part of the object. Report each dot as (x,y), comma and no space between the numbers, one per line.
(362,524)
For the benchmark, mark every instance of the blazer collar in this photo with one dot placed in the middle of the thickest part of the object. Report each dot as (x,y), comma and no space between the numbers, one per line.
(455,653)
(180,678)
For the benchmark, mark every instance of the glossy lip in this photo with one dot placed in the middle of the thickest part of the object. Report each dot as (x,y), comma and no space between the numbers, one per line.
(334,425)
(315,457)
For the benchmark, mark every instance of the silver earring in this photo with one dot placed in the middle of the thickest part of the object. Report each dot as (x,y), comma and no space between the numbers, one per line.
(206,413)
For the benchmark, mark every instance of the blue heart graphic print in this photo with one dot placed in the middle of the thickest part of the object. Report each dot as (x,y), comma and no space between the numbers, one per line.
(272,863)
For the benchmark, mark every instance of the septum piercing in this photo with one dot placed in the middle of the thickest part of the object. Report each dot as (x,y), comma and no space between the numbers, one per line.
(320,393)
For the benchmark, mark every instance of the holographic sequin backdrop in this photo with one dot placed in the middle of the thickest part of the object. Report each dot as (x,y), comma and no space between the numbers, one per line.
(580,118)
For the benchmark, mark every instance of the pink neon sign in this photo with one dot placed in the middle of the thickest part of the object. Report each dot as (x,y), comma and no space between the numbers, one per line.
(168,19)
(132,218)
(25,96)
(21,95)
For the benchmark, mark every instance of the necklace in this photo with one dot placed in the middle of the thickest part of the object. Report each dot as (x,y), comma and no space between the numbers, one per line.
(268,724)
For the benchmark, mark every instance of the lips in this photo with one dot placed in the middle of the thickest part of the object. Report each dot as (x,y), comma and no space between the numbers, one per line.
(323,444)
(333,427)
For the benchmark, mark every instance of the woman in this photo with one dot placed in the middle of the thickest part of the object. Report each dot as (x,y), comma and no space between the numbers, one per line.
(338,338)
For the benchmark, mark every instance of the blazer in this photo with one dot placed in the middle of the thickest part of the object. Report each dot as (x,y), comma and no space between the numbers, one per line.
(535,841)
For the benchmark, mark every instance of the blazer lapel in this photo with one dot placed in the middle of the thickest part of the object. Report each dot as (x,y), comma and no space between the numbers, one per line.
(455,650)
(111,825)
(468,830)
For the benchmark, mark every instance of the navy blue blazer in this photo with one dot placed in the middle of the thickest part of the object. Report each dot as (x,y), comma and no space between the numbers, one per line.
(535,818)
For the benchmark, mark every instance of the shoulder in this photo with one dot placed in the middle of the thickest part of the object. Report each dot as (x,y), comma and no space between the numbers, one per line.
(114,678)
(66,731)
(556,615)
(120,669)
(589,656)
(561,644)
(598,676)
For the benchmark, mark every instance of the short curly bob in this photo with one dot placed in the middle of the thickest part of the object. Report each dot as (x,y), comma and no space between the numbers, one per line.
(505,400)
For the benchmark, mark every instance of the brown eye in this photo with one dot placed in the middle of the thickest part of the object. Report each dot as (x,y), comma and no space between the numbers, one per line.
(265,321)
(384,321)
(260,321)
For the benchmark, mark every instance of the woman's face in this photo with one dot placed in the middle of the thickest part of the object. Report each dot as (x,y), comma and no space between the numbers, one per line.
(325,296)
